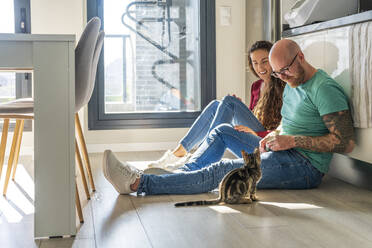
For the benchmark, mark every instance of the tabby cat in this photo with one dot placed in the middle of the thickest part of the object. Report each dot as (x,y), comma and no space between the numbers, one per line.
(238,186)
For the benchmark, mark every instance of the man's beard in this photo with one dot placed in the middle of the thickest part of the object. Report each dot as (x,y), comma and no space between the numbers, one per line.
(298,79)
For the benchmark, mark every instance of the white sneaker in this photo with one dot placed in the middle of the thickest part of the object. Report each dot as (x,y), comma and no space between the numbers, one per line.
(181,162)
(120,174)
(167,158)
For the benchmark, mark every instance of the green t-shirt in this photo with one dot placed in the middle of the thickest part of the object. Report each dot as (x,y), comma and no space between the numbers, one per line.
(303,108)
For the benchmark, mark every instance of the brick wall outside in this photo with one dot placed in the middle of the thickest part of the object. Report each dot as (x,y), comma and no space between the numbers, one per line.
(150,94)
(147,93)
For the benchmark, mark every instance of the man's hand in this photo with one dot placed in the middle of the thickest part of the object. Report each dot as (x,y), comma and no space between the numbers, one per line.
(245,129)
(277,143)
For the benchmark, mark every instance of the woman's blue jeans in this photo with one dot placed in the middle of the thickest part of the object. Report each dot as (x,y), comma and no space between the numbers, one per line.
(229,110)
(280,170)
(216,122)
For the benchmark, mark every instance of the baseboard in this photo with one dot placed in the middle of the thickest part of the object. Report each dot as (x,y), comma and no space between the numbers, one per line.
(131,147)
(350,170)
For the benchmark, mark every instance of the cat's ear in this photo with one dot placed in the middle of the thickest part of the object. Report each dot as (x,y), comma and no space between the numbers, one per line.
(244,156)
(247,158)
(257,153)
(243,153)
(257,157)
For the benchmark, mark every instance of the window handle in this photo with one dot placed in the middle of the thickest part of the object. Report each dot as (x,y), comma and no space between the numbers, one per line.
(23,20)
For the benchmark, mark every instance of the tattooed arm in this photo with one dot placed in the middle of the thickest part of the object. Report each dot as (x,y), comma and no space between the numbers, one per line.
(340,138)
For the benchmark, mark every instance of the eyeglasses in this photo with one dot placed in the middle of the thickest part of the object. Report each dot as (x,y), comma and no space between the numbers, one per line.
(285,70)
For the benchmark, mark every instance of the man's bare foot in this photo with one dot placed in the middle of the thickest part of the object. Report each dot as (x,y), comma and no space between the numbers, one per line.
(135,185)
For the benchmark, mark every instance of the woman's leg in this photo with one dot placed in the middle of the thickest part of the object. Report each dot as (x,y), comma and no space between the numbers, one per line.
(230,110)
(235,112)
(200,127)
(195,134)
(213,147)
(280,170)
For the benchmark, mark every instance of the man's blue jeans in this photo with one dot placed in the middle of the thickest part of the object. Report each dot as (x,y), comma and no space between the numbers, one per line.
(280,170)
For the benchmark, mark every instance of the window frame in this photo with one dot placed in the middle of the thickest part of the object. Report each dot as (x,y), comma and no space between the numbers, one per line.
(99,120)
(23,80)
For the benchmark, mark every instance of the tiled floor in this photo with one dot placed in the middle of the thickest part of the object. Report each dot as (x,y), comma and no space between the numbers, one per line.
(335,215)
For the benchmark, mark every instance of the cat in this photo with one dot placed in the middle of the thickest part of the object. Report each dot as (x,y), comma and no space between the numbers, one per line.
(238,186)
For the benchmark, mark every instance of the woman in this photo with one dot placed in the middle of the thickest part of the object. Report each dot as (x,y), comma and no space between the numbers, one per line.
(202,173)
(266,101)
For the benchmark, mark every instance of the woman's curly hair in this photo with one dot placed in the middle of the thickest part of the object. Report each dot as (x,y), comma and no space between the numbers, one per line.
(267,109)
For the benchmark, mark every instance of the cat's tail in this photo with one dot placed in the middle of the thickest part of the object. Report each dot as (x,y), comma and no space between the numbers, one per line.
(198,203)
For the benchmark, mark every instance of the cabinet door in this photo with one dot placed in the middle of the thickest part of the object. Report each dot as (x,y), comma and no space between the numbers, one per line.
(312,46)
(336,56)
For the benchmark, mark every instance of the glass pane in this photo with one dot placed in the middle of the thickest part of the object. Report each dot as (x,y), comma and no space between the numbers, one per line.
(7,86)
(7,79)
(7,16)
(152,56)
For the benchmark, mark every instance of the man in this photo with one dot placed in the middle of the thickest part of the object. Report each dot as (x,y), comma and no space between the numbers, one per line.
(316,122)
(315,117)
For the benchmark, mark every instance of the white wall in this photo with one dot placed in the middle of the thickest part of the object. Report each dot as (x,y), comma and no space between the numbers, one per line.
(69,17)
(254,32)
(230,44)
(58,17)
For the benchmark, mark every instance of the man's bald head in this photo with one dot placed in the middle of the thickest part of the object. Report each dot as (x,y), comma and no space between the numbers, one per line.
(283,52)
(288,62)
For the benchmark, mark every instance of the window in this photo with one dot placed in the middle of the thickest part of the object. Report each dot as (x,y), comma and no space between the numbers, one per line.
(15,18)
(157,68)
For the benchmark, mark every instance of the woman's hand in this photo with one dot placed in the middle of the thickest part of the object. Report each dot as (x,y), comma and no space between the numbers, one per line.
(245,129)
(236,97)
